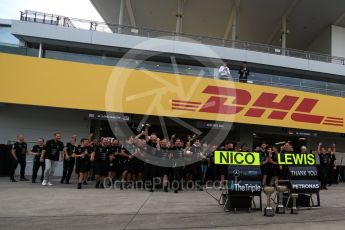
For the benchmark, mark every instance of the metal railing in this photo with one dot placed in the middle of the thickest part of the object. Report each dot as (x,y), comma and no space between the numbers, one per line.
(57,20)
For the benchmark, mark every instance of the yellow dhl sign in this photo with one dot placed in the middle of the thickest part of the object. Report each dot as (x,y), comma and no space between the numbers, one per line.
(55,83)
(236,158)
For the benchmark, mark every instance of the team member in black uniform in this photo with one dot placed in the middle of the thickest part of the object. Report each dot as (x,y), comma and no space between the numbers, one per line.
(112,167)
(195,167)
(81,154)
(223,169)
(283,170)
(100,156)
(53,152)
(125,157)
(211,166)
(166,157)
(68,161)
(272,166)
(131,151)
(93,143)
(115,167)
(204,162)
(324,165)
(263,163)
(139,157)
(332,164)
(152,149)
(19,151)
(178,160)
(135,164)
(36,151)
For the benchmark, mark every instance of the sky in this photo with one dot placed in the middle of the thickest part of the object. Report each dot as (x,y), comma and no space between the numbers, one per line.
(83,9)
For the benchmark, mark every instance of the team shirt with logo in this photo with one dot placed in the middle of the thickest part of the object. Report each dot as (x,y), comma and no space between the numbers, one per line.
(20,149)
(102,153)
(82,164)
(37,149)
(69,149)
(53,149)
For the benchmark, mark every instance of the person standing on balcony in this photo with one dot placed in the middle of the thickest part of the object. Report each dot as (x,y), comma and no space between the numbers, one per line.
(224,71)
(243,73)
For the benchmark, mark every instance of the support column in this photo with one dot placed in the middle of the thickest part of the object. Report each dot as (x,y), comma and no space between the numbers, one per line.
(121,13)
(234,23)
(284,33)
(40,51)
(179,16)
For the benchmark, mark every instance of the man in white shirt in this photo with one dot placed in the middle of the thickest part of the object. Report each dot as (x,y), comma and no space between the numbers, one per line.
(224,72)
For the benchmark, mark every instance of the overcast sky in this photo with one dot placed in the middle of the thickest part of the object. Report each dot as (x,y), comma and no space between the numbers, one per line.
(9,9)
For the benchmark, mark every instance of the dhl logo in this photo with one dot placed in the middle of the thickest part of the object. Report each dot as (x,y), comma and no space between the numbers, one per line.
(264,102)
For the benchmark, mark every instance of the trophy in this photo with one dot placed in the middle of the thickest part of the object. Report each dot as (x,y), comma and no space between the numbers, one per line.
(280,209)
(294,197)
(269,211)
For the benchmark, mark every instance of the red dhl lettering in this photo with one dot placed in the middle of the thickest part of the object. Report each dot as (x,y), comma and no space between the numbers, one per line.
(265,102)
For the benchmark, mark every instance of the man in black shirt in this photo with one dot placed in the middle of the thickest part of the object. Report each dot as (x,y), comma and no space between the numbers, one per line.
(223,169)
(126,157)
(272,166)
(165,156)
(92,145)
(81,154)
(68,161)
(36,151)
(100,157)
(18,152)
(243,73)
(153,146)
(325,159)
(195,168)
(51,156)
(263,163)
(178,152)
(115,169)
(332,164)
(283,170)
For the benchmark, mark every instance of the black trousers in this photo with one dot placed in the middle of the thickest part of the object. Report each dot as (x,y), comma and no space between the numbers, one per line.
(194,170)
(331,175)
(150,173)
(68,166)
(177,176)
(14,164)
(36,166)
(324,175)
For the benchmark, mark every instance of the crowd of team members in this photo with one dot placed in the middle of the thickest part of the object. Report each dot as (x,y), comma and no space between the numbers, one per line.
(129,161)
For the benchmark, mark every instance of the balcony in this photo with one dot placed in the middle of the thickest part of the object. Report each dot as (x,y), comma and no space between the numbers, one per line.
(56,20)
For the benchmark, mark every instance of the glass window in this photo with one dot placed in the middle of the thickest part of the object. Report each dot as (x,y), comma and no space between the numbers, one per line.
(6,37)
